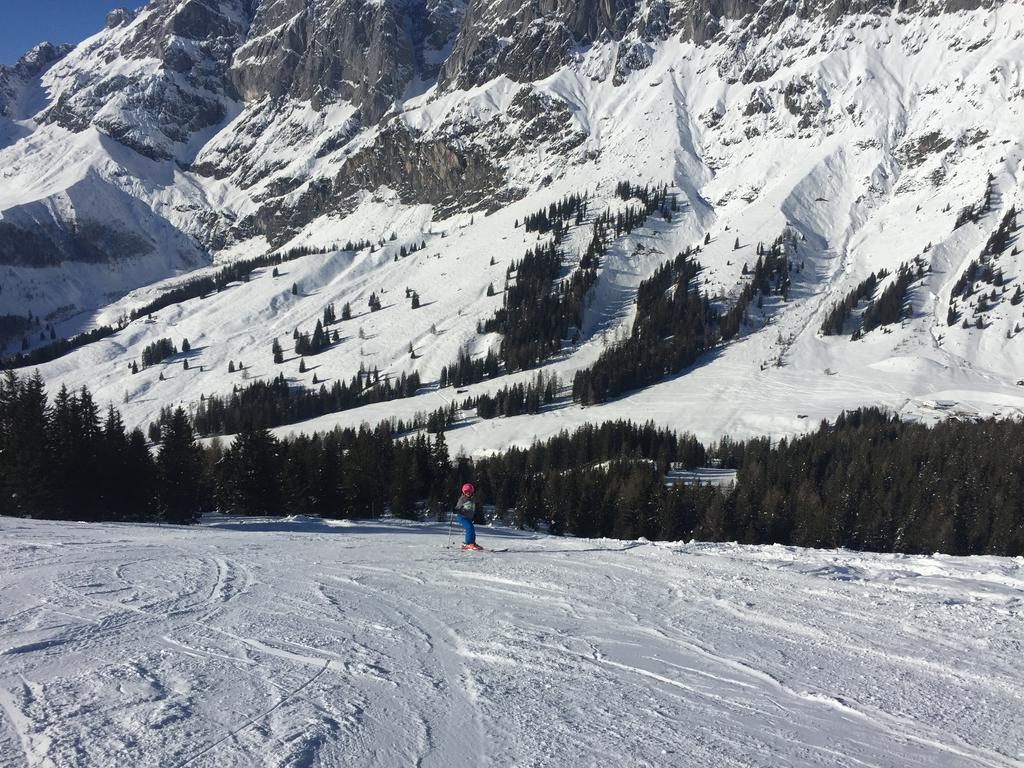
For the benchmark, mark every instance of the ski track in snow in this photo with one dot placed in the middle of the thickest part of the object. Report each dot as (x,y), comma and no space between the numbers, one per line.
(305,643)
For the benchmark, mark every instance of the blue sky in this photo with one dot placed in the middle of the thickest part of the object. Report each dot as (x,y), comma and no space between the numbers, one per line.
(23,23)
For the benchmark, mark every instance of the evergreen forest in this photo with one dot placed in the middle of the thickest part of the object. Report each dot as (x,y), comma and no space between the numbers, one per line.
(867,481)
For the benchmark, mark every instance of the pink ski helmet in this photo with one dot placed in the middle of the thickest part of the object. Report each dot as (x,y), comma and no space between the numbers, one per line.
(468,489)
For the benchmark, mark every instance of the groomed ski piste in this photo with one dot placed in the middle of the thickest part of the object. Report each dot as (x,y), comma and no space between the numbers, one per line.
(291,642)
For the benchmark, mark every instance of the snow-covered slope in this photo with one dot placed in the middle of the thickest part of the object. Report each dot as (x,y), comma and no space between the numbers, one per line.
(289,642)
(863,132)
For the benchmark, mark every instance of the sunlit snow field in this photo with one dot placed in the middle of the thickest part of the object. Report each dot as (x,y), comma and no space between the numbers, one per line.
(305,643)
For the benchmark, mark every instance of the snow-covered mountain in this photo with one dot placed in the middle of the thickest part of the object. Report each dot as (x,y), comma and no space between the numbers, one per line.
(192,133)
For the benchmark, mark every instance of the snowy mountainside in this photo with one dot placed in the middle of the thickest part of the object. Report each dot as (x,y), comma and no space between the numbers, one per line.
(865,133)
(285,642)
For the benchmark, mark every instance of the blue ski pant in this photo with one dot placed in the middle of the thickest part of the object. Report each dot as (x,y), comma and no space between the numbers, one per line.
(467,524)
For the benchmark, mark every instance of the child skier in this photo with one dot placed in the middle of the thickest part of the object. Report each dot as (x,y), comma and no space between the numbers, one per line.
(465,511)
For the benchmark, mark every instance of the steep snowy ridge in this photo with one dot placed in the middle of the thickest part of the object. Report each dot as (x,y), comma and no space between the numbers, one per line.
(865,131)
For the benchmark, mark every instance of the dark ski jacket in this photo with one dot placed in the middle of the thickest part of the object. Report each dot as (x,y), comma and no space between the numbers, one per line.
(466,507)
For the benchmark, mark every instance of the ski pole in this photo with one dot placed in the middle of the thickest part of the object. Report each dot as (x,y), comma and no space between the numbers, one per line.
(451,514)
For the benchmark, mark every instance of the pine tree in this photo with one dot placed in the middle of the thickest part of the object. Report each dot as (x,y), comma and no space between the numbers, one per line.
(295,289)
(530,508)
(319,340)
(25,480)
(249,481)
(440,467)
(111,458)
(278,352)
(180,473)
(402,489)
(185,346)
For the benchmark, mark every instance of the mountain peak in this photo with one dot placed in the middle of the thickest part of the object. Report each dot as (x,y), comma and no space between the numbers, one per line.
(118,17)
(40,57)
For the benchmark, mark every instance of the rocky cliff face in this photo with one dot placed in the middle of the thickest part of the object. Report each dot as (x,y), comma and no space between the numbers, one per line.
(363,53)
(155,80)
(30,66)
(529,41)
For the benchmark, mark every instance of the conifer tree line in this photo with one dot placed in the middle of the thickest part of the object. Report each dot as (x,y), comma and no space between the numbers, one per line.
(517,399)
(192,289)
(985,270)
(312,345)
(835,321)
(66,460)
(885,308)
(890,306)
(277,402)
(344,473)
(58,348)
(675,323)
(238,271)
(468,370)
(408,250)
(867,481)
(556,216)
(539,309)
(769,277)
(13,325)
(771,274)
(625,220)
(870,481)
(654,198)
(973,213)
(157,352)
(1001,238)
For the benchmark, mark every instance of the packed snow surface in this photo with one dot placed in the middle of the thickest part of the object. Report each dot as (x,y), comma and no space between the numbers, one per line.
(297,642)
